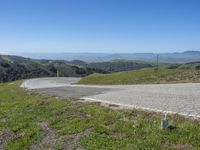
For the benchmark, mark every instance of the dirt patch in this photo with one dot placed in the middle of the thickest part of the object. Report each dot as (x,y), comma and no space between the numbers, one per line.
(77,102)
(133,113)
(97,103)
(51,141)
(184,146)
(73,142)
(113,105)
(5,136)
(144,115)
(151,115)
(3,119)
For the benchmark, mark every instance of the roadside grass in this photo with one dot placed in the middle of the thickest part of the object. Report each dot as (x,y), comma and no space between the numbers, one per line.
(144,76)
(72,124)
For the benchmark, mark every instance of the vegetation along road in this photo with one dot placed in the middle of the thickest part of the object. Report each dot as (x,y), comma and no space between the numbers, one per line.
(182,98)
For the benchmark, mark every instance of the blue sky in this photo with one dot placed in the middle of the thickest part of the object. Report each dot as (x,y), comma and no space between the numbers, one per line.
(121,26)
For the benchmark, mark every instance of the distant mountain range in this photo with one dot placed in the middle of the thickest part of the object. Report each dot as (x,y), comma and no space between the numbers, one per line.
(182,57)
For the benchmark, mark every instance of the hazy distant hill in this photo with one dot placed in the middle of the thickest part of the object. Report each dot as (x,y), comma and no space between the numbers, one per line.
(188,56)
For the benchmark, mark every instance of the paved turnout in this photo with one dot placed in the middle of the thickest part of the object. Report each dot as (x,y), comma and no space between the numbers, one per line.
(173,98)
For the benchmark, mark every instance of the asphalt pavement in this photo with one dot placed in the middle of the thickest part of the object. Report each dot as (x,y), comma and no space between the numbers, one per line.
(179,98)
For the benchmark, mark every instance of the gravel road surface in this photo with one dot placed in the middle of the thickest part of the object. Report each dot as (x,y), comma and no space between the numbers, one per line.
(183,98)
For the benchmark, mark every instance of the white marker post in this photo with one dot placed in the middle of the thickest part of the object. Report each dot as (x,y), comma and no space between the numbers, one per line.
(164,122)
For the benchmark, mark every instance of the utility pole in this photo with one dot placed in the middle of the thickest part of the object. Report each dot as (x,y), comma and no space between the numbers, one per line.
(57,73)
(157,61)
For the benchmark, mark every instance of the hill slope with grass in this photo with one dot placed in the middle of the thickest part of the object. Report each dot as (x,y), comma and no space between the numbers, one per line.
(16,67)
(171,74)
(32,121)
(120,65)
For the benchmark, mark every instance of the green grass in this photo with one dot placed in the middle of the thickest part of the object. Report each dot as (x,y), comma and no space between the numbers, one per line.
(21,113)
(144,76)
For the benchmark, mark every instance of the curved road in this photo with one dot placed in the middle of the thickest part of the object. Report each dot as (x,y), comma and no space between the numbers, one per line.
(183,98)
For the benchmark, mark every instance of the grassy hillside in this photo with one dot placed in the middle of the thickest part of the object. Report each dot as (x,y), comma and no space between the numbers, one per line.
(179,74)
(115,65)
(120,65)
(33,121)
(15,67)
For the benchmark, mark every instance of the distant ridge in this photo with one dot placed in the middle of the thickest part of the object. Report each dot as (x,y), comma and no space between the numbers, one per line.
(176,57)
(191,51)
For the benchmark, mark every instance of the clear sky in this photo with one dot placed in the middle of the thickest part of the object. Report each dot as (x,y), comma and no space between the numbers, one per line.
(99,25)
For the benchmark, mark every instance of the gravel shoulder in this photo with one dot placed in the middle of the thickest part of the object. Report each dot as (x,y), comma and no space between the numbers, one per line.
(38,83)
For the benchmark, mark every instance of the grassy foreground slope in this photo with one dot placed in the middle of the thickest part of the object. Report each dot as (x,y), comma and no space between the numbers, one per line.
(32,121)
(145,76)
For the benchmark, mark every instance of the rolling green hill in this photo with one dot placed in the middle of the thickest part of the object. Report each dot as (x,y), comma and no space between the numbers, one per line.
(120,65)
(115,65)
(170,74)
(135,72)
(16,67)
